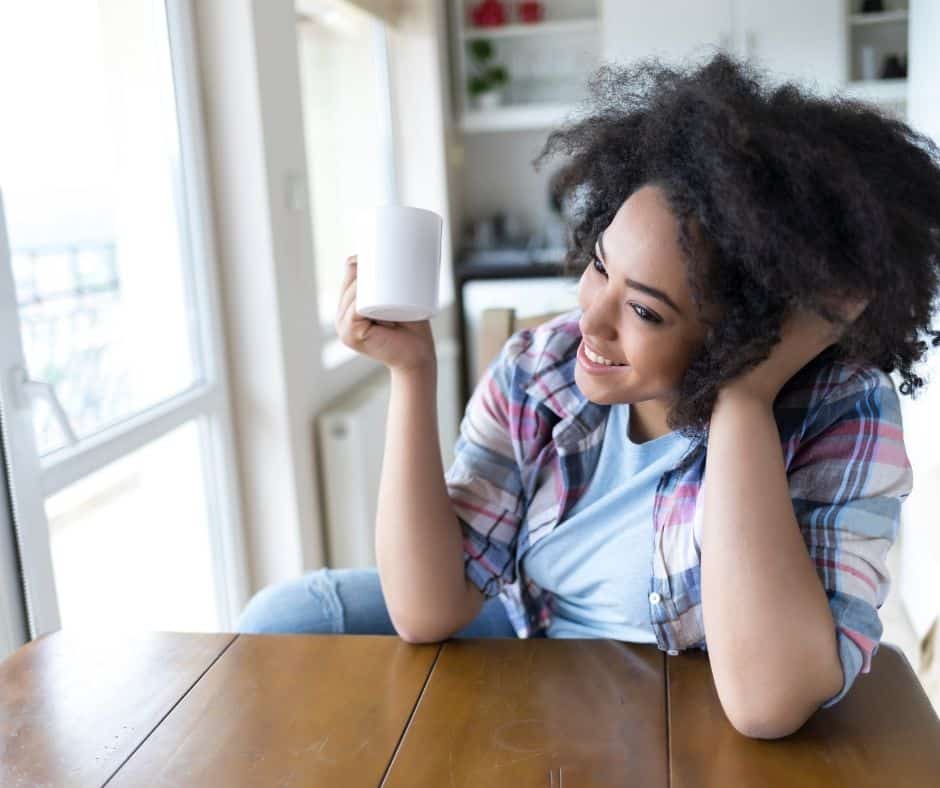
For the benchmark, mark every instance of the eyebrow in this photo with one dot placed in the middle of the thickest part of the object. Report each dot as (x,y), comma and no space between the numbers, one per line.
(651,291)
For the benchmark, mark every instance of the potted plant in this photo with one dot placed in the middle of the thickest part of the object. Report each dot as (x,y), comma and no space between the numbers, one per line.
(486,85)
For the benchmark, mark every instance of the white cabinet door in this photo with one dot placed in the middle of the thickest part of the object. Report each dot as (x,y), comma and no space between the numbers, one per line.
(671,29)
(800,39)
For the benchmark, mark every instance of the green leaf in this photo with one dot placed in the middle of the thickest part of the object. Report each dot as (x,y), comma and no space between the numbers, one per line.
(498,75)
(481,49)
(477,84)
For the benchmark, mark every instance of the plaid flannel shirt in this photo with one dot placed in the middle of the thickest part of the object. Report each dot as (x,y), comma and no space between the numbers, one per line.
(530,440)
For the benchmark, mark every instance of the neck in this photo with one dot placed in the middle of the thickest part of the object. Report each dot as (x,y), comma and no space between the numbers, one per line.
(647,421)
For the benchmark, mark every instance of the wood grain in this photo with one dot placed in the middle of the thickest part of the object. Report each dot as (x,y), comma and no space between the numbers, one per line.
(884,732)
(555,713)
(289,710)
(160,708)
(75,705)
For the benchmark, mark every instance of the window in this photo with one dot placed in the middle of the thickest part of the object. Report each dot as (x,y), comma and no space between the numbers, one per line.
(119,446)
(347,125)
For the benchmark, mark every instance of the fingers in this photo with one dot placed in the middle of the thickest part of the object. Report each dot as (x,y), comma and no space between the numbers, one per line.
(346,299)
(855,307)
(347,289)
(847,310)
(351,327)
(350,273)
(352,330)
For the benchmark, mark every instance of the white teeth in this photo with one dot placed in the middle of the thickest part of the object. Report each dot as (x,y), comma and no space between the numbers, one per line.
(600,359)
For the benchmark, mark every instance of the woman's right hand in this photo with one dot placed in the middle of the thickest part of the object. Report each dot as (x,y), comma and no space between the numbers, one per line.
(400,346)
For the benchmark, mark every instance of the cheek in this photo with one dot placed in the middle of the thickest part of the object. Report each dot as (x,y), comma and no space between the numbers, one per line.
(656,356)
(670,360)
(583,297)
(588,288)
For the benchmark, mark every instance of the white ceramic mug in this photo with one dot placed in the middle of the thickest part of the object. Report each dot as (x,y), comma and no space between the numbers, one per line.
(399,264)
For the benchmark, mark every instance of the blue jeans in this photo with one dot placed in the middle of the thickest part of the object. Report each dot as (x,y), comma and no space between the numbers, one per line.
(347,601)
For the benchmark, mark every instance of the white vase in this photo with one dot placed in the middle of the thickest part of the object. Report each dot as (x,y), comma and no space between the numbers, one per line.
(488,99)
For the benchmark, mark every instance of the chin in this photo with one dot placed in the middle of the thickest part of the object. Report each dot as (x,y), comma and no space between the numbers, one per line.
(599,393)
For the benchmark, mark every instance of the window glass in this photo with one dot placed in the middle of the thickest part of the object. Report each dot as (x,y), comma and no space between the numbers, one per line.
(348,138)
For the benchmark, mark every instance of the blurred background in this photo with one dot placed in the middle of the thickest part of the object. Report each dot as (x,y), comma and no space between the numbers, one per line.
(181,183)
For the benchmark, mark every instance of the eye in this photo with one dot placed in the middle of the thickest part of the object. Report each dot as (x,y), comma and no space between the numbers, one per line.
(642,312)
(645,314)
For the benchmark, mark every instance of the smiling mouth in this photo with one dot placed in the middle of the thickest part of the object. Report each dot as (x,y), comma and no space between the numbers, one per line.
(597,368)
(600,360)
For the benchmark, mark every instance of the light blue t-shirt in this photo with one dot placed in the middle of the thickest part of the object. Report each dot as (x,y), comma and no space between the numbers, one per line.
(597,561)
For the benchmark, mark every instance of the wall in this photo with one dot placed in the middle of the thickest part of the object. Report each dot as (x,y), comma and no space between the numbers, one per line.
(266,294)
(250,80)
(498,176)
(919,539)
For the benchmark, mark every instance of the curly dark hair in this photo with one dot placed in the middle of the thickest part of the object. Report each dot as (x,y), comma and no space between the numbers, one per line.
(784,199)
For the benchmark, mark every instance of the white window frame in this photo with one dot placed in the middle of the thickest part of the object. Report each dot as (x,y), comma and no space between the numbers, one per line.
(334,351)
(32,479)
(14,627)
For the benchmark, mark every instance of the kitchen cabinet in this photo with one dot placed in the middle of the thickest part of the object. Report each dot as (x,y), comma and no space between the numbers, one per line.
(818,43)
(546,62)
(671,29)
(872,38)
(802,39)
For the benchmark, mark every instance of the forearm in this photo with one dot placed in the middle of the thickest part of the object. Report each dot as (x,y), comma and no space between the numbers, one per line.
(770,633)
(418,540)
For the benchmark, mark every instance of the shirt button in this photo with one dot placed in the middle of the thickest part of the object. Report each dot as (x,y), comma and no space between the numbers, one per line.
(655,598)
(672,652)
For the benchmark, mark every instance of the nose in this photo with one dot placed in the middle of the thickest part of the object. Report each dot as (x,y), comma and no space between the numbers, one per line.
(598,318)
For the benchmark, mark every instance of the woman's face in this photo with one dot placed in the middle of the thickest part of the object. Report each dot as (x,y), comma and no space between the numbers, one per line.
(651,336)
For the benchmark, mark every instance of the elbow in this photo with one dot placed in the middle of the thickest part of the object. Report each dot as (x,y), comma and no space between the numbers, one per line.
(410,636)
(781,710)
(419,632)
(765,726)
(768,720)
(417,637)
(774,719)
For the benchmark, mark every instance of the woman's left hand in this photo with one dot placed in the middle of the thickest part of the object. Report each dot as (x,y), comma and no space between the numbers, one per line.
(803,336)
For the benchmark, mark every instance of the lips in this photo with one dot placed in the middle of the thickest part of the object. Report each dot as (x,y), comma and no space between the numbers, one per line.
(595,352)
(598,358)
(597,369)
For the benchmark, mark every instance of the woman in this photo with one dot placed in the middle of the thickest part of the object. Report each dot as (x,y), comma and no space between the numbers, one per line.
(755,261)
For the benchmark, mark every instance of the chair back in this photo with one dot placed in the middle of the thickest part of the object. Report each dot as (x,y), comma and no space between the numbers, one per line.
(496,326)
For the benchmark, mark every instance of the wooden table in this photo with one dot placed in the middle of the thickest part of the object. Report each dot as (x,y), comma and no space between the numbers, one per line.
(176,709)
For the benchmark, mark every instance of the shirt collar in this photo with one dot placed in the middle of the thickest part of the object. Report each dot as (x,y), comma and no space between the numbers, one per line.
(554,388)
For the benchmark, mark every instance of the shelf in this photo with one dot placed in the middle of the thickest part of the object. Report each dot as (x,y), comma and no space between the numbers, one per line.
(877,89)
(878,17)
(531,29)
(524,270)
(511,118)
